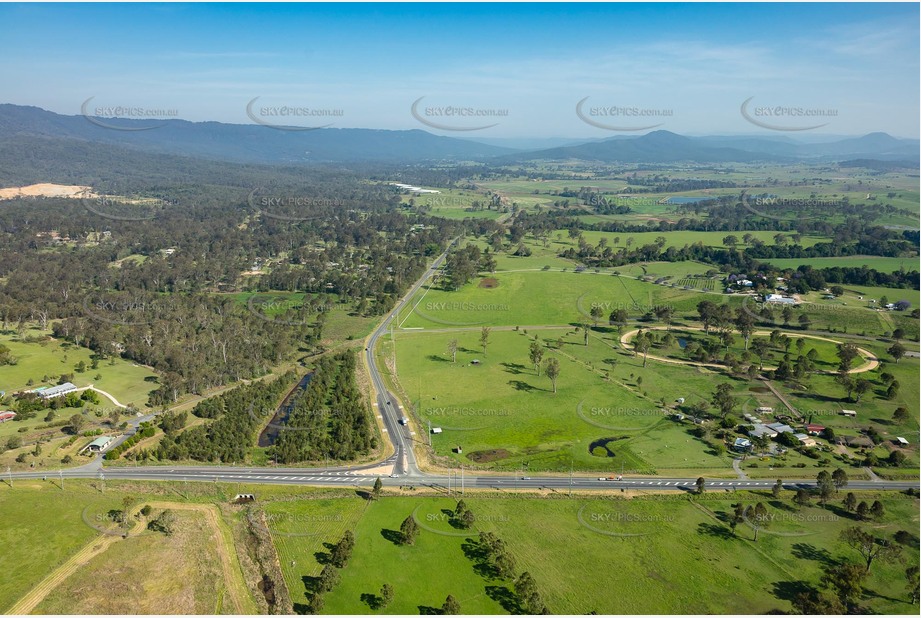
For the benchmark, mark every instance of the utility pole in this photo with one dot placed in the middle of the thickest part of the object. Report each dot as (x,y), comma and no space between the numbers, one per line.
(462,480)
(9,471)
(61,474)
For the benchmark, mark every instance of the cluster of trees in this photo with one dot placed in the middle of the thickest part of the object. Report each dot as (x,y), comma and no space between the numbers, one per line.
(146,430)
(237,415)
(329,418)
(338,558)
(462,265)
(162,310)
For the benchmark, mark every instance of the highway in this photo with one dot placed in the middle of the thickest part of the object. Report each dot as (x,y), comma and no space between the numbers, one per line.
(405,471)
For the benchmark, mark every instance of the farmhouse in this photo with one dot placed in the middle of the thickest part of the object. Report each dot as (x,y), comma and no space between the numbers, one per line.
(7,415)
(742,444)
(814,430)
(56,391)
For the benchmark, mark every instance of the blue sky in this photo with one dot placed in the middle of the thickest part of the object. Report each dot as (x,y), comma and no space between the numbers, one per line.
(694,63)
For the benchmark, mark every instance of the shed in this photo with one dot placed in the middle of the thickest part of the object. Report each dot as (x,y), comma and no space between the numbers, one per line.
(852,413)
(436,429)
(7,416)
(100,444)
(902,441)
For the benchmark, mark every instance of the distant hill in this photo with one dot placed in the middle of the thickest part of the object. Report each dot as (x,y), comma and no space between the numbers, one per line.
(255,144)
(246,143)
(655,147)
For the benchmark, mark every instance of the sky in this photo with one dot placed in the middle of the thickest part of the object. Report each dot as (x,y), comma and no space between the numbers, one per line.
(480,70)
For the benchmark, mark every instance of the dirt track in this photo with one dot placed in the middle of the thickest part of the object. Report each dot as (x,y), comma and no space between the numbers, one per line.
(233,577)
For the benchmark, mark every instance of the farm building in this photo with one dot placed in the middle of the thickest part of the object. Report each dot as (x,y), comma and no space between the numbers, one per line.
(805,440)
(777,298)
(852,413)
(760,430)
(56,391)
(901,441)
(7,416)
(813,430)
(781,428)
(436,429)
(99,444)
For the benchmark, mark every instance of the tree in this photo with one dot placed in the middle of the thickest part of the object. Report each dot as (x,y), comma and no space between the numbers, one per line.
(862,510)
(723,399)
(777,488)
(745,324)
(825,486)
(537,355)
(342,551)
(553,371)
(897,351)
(876,510)
(737,517)
(484,338)
(802,497)
(850,502)
(641,343)
(596,314)
(893,391)
(758,517)
(378,486)
(846,579)
(700,483)
(329,577)
(847,352)
(528,595)
(813,603)
(900,415)
(451,607)
(76,423)
(409,530)
(869,546)
(619,317)
(452,350)
(839,478)
(386,595)
(861,386)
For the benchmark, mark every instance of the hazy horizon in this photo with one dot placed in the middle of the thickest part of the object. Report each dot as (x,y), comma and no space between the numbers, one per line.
(832,69)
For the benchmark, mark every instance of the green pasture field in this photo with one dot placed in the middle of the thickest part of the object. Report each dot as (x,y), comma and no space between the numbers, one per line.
(561,542)
(881,264)
(51,357)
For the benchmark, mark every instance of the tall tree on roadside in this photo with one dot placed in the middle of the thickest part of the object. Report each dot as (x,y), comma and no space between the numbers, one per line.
(484,338)
(452,350)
